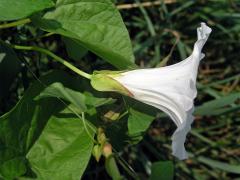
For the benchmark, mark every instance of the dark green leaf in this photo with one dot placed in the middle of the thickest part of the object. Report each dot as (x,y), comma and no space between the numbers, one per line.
(13,168)
(9,68)
(74,49)
(117,133)
(95,25)
(12,9)
(162,171)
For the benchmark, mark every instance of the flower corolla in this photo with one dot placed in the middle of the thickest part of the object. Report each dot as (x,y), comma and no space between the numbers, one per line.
(171,89)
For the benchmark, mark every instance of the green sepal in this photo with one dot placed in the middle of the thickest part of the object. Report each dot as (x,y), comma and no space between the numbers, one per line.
(104,81)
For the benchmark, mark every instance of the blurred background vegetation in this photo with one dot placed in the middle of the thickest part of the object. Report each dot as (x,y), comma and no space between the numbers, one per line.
(162,33)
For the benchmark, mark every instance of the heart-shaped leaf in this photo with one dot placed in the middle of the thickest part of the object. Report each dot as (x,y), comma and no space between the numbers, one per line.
(96,25)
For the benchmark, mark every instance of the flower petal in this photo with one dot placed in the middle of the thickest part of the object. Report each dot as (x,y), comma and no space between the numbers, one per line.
(171,89)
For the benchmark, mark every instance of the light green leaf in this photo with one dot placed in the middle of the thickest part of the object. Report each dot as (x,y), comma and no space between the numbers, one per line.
(78,99)
(162,170)
(94,24)
(92,101)
(138,122)
(17,9)
(62,150)
(59,91)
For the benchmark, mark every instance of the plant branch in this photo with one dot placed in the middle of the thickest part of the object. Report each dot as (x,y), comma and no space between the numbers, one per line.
(145,4)
(42,36)
(15,23)
(57,58)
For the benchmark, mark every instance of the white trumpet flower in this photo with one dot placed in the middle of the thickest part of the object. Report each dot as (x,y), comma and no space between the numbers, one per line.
(171,89)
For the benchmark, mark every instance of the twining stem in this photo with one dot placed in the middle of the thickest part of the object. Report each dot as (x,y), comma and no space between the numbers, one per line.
(57,58)
(15,23)
(42,36)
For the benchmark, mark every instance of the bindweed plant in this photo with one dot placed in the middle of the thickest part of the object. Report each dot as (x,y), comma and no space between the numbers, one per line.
(73,113)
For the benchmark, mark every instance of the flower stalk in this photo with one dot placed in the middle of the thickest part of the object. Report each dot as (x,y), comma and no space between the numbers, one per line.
(15,23)
(55,57)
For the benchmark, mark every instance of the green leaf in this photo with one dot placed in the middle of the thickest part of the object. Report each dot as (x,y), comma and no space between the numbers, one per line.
(140,118)
(13,168)
(116,132)
(62,150)
(78,99)
(92,101)
(12,9)
(59,91)
(138,122)
(162,170)
(22,126)
(74,49)
(9,68)
(96,25)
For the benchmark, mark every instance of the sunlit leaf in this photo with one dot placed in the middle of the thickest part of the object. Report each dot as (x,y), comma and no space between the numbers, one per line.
(138,122)
(62,150)
(95,25)
(78,99)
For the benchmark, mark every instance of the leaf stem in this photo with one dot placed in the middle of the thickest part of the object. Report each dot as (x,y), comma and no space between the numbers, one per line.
(57,58)
(15,23)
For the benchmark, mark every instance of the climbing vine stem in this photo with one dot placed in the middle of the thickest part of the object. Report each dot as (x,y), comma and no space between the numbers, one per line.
(55,57)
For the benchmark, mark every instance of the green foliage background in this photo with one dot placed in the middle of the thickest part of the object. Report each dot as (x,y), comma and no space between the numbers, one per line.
(161,34)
